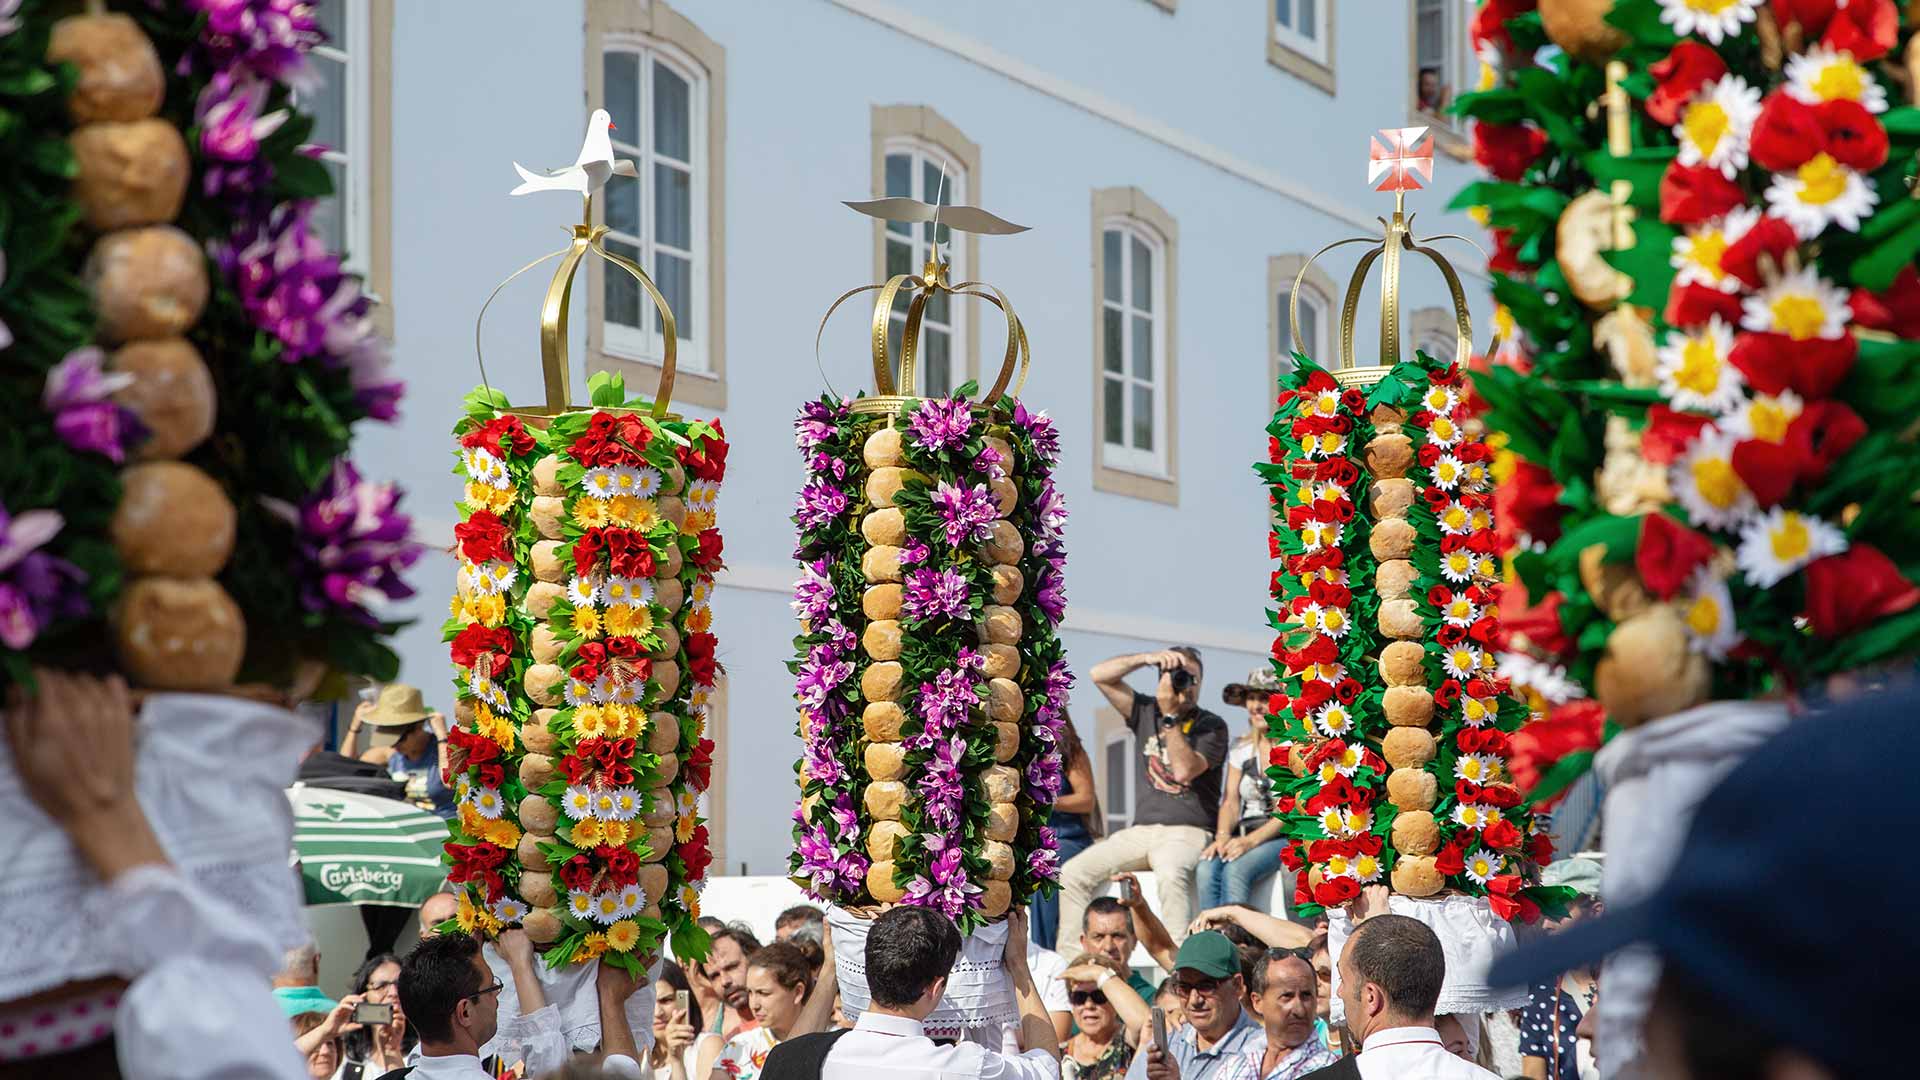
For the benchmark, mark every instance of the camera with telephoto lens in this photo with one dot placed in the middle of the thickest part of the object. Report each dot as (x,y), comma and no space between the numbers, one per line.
(1181,679)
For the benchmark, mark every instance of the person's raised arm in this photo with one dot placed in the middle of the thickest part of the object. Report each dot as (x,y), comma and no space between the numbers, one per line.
(1106,976)
(516,948)
(73,747)
(1153,933)
(1036,1024)
(339,1021)
(350,746)
(1274,932)
(613,986)
(817,1013)
(1111,677)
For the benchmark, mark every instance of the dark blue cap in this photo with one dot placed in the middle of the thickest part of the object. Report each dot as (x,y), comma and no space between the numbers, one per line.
(1790,902)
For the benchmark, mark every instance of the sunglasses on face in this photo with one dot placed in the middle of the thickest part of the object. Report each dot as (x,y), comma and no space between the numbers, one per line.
(1183,987)
(1081,997)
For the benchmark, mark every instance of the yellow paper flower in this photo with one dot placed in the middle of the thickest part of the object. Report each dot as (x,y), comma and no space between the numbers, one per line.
(591,513)
(700,620)
(629,620)
(690,899)
(456,609)
(623,935)
(466,915)
(633,511)
(586,622)
(625,721)
(482,497)
(586,834)
(489,610)
(589,721)
(614,833)
(592,946)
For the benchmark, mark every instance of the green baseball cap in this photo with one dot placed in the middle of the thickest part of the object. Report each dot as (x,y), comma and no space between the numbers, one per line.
(1210,953)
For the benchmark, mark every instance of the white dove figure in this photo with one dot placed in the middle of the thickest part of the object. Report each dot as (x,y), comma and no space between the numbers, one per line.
(589,171)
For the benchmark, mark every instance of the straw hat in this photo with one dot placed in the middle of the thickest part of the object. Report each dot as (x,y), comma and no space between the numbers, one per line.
(399,705)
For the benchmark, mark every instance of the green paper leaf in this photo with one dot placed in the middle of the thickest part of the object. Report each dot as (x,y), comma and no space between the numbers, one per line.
(1561,776)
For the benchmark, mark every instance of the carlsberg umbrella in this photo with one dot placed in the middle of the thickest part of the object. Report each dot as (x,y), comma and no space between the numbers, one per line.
(361,849)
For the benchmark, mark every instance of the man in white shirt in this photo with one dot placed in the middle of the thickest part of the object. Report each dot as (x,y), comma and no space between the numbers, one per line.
(909,952)
(1048,969)
(1390,976)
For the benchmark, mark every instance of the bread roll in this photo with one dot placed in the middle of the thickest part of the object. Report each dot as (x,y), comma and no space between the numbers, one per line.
(881,682)
(883,448)
(886,761)
(542,926)
(1000,625)
(882,639)
(1006,702)
(536,888)
(668,562)
(671,508)
(1391,539)
(1000,784)
(653,880)
(1008,584)
(666,772)
(669,594)
(172,394)
(669,646)
(147,283)
(547,564)
(1003,822)
(884,483)
(531,857)
(173,634)
(1000,446)
(663,733)
(886,799)
(545,683)
(880,884)
(673,478)
(1000,661)
(886,527)
(1390,498)
(172,520)
(1389,456)
(660,809)
(1006,742)
(546,513)
(540,598)
(658,842)
(1407,747)
(463,711)
(1403,663)
(1412,789)
(130,174)
(538,815)
(1415,833)
(1005,496)
(1614,586)
(995,898)
(120,73)
(535,735)
(536,770)
(1005,545)
(546,476)
(1648,671)
(881,602)
(1414,875)
(1408,706)
(999,858)
(882,720)
(1581,29)
(881,564)
(1400,619)
(1394,579)
(546,647)
(1387,419)
(881,838)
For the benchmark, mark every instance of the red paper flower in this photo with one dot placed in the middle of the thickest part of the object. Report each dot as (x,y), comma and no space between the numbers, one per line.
(701,666)
(710,461)
(1290,857)
(695,853)
(698,767)
(1506,257)
(1865,28)
(1848,591)
(1540,848)
(504,435)
(1507,150)
(1691,195)
(1448,694)
(1685,70)
(586,550)
(1568,729)
(1668,553)
(1854,137)
(475,641)
(1811,15)
(1504,896)
(1693,304)
(1897,310)
(707,555)
(1527,504)
(1812,367)
(623,866)
(1451,859)
(1786,134)
(1539,625)
(1760,252)
(577,872)
(1490,22)
(1333,892)
(1666,435)
(482,536)
(1501,835)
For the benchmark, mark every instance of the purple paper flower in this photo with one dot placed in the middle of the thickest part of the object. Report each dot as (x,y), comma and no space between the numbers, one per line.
(969,659)
(35,588)
(1058,681)
(825,464)
(353,545)
(949,891)
(1044,863)
(844,815)
(1049,512)
(942,786)
(831,874)
(228,113)
(1039,428)
(269,36)
(1051,595)
(1045,776)
(818,505)
(813,593)
(841,636)
(943,705)
(79,394)
(914,552)
(820,673)
(966,514)
(6,27)
(821,763)
(991,462)
(8,24)
(941,424)
(932,593)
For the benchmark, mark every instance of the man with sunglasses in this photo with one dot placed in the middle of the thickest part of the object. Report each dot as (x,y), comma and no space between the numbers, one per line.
(1218,1031)
(1183,750)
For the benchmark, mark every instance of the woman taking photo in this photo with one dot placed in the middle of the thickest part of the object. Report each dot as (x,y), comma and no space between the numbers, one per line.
(374,1051)
(1246,839)
(779,978)
(676,1027)
(1109,1014)
(1075,821)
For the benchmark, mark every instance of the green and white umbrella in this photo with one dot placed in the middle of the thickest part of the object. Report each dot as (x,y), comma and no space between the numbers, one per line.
(362,849)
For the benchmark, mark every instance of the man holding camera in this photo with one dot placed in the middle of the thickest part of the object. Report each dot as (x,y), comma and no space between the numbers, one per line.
(1176,788)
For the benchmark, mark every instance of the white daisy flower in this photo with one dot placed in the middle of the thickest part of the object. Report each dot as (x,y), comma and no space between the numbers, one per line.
(1480,518)
(508,910)
(626,691)
(701,594)
(493,576)
(1326,444)
(1478,768)
(1801,305)
(577,803)
(1704,482)
(1460,611)
(1333,720)
(626,803)
(1550,681)
(1444,433)
(1483,865)
(1781,541)
(603,689)
(600,481)
(1820,193)
(1357,822)
(1478,712)
(1315,535)
(686,803)
(1366,868)
(586,591)
(1448,472)
(626,480)
(618,590)
(486,690)
(633,899)
(1457,566)
(1337,865)
(608,908)
(1474,815)
(1697,253)
(1323,403)
(1439,400)
(1461,661)
(1333,820)
(461,785)
(1346,764)
(578,693)
(1711,627)
(647,482)
(1822,74)
(1765,417)
(580,903)
(702,494)
(604,805)
(486,802)
(1326,673)
(1715,20)
(1714,128)
(1694,370)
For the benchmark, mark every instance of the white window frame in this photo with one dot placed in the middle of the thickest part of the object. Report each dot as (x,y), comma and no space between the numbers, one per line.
(1313,48)
(356,199)
(1118,809)
(924,153)
(1124,455)
(1459,68)
(1317,342)
(646,343)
